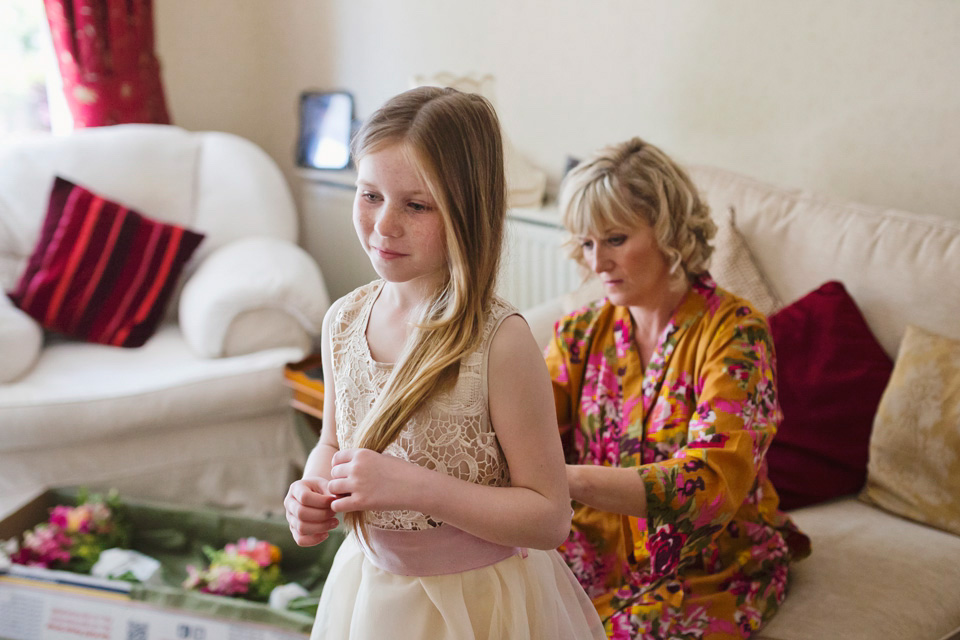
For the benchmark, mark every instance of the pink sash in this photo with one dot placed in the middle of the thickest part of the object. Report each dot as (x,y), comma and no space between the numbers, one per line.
(431,552)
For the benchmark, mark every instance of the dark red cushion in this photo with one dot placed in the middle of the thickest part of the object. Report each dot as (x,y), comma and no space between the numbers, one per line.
(831,374)
(101,271)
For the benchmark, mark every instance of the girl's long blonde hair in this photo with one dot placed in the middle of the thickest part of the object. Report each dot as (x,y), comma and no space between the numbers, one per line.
(455,139)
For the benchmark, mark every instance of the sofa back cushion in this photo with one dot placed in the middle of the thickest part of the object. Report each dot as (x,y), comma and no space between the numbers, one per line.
(218,184)
(901,268)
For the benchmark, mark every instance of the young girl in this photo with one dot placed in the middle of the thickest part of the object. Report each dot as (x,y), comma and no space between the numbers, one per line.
(439,438)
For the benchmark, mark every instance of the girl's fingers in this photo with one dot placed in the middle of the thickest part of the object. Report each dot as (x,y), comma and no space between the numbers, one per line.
(310,515)
(314,528)
(345,504)
(339,487)
(309,541)
(343,455)
(309,497)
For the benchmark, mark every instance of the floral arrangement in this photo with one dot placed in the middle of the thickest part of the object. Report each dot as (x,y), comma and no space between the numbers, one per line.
(73,537)
(249,569)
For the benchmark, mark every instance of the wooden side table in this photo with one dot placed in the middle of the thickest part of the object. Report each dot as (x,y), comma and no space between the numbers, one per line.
(305,378)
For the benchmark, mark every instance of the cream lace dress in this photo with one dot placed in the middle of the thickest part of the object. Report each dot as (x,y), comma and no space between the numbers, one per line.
(530,594)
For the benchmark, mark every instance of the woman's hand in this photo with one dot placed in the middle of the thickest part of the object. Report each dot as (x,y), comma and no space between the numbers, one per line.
(364,480)
(307,507)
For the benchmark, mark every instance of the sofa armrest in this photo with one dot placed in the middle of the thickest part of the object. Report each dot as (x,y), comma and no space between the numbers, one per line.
(253,294)
(21,340)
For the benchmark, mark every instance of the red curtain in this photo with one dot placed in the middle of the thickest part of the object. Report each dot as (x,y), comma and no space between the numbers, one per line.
(104,48)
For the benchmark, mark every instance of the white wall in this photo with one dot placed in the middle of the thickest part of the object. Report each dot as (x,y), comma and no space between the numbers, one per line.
(854,98)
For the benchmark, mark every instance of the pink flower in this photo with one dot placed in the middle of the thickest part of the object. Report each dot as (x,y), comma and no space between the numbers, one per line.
(711,441)
(778,582)
(59,515)
(44,546)
(590,568)
(604,449)
(622,337)
(620,627)
(661,414)
(563,376)
(665,546)
(259,550)
(223,580)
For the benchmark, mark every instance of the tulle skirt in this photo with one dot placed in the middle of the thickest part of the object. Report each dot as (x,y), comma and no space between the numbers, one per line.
(524,596)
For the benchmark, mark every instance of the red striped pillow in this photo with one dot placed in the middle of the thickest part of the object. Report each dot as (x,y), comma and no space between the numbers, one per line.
(100,271)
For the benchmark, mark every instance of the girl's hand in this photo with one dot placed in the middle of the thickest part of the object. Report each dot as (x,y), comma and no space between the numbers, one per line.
(364,480)
(307,507)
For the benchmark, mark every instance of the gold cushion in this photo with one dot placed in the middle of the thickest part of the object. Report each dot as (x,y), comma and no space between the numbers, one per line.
(914,467)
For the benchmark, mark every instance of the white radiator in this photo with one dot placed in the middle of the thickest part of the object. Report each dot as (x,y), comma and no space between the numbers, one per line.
(535,267)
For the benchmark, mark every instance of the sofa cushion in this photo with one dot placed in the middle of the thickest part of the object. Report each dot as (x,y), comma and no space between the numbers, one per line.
(734,268)
(101,271)
(914,466)
(81,392)
(831,372)
(871,575)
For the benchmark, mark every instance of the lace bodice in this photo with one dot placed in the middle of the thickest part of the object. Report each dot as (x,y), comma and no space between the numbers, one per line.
(451,434)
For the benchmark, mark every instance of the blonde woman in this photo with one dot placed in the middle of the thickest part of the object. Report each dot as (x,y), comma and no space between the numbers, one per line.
(439,439)
(666,397)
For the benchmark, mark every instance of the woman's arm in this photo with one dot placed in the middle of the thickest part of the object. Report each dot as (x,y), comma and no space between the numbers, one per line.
(307,504)
(611,489)
(533,512)
(716,466)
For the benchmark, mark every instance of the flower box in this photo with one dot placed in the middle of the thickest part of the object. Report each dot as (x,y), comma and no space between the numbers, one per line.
(36,603)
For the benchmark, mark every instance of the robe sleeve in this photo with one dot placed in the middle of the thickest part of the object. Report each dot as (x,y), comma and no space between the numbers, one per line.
(558,357)
(692,496)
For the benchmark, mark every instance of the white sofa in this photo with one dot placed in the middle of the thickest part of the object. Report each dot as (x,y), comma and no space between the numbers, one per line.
(199,414)
(872,575)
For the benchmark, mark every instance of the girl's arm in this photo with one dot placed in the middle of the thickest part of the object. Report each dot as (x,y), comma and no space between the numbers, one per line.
(533,512)
(307,504)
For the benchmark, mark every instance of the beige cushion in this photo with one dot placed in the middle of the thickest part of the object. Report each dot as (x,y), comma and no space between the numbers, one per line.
(733,266)
(871,575)
(914,467)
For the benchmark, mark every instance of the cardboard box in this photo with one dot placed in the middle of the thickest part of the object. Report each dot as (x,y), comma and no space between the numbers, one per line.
(42,604)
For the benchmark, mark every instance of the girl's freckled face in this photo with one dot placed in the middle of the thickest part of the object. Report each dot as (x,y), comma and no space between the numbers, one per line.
(397,220)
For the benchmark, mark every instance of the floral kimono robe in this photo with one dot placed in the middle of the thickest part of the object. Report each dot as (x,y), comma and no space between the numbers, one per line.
(710,559)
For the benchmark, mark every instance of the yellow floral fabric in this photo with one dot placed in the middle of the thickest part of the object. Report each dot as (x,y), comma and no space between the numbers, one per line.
(710,560)
(914,468)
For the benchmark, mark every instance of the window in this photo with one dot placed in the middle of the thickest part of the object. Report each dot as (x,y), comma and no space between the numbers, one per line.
(27,68)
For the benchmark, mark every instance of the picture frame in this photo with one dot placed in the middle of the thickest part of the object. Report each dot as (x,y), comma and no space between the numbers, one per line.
(326,126)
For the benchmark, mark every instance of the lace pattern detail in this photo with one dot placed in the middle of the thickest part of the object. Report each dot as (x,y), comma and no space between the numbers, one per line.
(451,434)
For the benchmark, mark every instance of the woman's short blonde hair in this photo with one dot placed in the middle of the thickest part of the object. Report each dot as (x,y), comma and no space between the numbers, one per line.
(625,184)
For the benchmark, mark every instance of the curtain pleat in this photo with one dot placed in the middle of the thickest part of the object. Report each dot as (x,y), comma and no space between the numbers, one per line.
(111,74)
